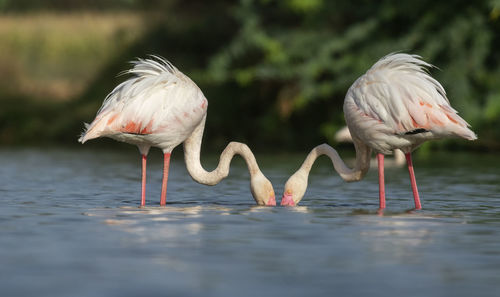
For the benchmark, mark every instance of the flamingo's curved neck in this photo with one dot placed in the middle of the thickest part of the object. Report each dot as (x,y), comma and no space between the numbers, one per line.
(361,166)
(192,149)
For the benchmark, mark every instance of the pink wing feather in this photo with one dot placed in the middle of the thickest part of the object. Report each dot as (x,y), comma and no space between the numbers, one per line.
(156,96)
(399,93)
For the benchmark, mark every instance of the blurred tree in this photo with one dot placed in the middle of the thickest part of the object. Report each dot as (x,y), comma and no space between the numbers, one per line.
(312,51)
(62,5)
(276,72)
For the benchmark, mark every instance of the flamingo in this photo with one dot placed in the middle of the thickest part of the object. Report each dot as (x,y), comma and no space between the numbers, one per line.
(396,104)
(161,107)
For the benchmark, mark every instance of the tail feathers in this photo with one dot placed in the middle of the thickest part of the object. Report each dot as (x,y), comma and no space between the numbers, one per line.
(466,133)
(459,126)
(82,138)
(459,129)
(93,130)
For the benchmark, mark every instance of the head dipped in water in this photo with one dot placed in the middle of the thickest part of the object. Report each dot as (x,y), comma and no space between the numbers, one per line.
(262,189)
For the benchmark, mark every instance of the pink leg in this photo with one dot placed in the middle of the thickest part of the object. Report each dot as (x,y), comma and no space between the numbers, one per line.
(166,165)
(381,182)
(143,188)
(413,181)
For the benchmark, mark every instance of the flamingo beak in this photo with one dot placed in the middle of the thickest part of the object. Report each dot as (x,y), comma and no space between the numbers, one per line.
(271,201)
(287,199)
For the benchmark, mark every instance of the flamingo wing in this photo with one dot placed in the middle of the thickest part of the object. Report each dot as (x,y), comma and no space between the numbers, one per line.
(398,93)
(157,98)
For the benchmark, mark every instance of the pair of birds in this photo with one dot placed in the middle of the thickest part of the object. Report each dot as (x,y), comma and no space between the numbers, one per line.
(396,104)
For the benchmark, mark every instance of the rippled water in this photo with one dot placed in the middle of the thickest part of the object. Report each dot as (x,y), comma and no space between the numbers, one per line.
(70,226)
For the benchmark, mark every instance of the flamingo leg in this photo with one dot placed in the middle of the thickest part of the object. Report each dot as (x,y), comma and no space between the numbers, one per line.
(413,181)
(381,182)
(143,184)
(166,165)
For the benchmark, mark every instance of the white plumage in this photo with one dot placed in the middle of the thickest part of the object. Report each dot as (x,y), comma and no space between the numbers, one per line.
(396,104)
(391,105)
(161,107)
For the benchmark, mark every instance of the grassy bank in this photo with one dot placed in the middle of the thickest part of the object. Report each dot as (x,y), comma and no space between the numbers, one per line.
(54,56)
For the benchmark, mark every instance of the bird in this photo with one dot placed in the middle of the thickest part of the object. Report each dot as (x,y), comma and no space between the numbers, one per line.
(159,106)
(343,135)
(396,104)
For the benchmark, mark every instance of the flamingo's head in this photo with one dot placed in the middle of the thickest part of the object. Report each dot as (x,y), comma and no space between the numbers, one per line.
(262,190)
(295,188)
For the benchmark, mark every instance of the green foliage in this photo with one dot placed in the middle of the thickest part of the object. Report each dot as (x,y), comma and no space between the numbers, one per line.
(314,50)
(54,56)
(276,72)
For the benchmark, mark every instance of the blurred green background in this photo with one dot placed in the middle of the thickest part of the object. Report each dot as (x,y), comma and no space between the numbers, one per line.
(275,72)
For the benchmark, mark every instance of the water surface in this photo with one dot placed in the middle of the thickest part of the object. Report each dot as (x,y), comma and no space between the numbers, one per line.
(70,226)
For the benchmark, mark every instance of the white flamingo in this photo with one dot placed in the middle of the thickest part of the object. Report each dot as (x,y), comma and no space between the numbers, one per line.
(396,104)
(161,107)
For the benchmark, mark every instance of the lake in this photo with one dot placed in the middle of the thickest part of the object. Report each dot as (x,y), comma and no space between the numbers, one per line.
(70,226)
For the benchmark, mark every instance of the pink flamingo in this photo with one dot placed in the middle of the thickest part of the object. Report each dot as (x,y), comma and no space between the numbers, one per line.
(396,104)
(161,107)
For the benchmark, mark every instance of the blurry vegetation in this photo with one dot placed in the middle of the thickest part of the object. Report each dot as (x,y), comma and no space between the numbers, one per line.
(55,56)
(275,72)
